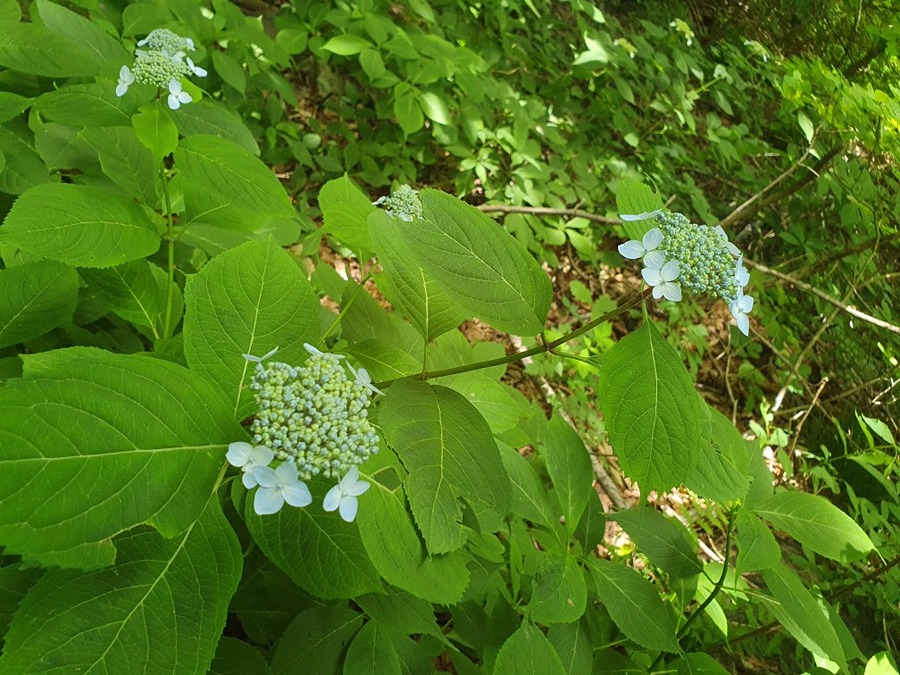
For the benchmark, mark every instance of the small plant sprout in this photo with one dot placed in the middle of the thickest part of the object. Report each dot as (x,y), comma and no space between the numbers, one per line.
(163,63)
(343,496)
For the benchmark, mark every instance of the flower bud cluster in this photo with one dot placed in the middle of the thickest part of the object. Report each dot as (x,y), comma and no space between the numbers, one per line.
(679,253)
(163,63)
(403,204)
(313,416)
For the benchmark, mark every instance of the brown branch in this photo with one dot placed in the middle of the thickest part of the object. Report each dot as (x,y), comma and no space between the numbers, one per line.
(824,296)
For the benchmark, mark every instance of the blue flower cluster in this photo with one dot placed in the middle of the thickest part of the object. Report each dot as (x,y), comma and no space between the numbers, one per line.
(403,204)
(679,253)
(163,63)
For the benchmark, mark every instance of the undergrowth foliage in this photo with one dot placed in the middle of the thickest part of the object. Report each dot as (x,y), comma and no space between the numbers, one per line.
(199,427)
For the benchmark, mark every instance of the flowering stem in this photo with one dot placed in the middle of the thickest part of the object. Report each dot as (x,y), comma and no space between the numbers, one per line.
(540,349)
(170,242)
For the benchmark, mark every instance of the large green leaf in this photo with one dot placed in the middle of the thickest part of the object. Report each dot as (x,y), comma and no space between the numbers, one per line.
(95,443)
(528,497)
(104,48)
(417,296)
(478,264)
(396,550)
(155,129)
(85,105)
(211,118)
(35,298)
(570,469)
(634,604)
(560,592)
(450,454)
(137,292)
(757,547)
(653,415)
(317,638)
(402,612)
(248,300)
(24,167)
(345,209)
(634,198)
(321,553)
(80,225)
(528,651)
(125,160)
(799,612)
(721,473)
(227,188)
(372,651)
(161,607)
(817,523)
(573,645)
(30,48)
(668,544)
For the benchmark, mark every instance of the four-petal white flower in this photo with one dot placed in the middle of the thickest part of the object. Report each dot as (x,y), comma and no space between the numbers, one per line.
(247,457)
(195,69)
(646,248)
(740,307)
(177,97)
(344,495)
(662,279)
(126,79)
(741,275)
(277,486)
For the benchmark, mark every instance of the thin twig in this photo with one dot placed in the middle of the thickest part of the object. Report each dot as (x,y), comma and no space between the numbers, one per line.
(824,296)
(803,419)
(547,211)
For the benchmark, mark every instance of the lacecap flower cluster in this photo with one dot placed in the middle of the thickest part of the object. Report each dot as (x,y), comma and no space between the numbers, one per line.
(312,420)
(700,258)
(403,203)
(162,63)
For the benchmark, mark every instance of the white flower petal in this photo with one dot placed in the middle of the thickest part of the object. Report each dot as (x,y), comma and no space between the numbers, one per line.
(632,249)
(265,476)
(658,291)
(652,277)
(286,474)
(311,349)
(249,479)
(268,500)
(349,506)
(652,239)
(239,453)
(141,43)
(745,303)
(670,291)
(173,102)
(297,494)
(357,488)
(333,499)
(349,478)
(655,259)
(259,359)
(743,323)
(121,89)
(638,216)
(261,456)
(670,271)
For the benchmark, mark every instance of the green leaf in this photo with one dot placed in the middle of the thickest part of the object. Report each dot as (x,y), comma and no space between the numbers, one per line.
(434,108)
(450,454)
(227,187)
(156,130)
(570,469)
(806,125)
(345,209)
(321,553)
(699,664)
(124,160)
(248,300)
(230,70)
(634,198)
(634,605)
(410,290)
(398,554)
(236,657)
(103,47)
(817,523)
(528,651)
(24,167)
(346,45)
(372,651)
(35,298)
(479,265)
(80,225)
(15,581)
(401,612)
(317,636)
(757,547)
(85,105)
(11,105)
(878,427)
(529,497)
(721,470)
(383,359)
(372,64)
(665,541)
(138,439)
(652,412)
(30,48)
(560,592)
(163,602)
(881,663)
(799,612)
(573,646)
(407,110)
(214,119)
(137,292)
